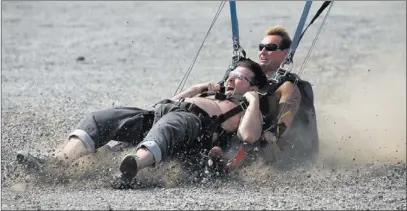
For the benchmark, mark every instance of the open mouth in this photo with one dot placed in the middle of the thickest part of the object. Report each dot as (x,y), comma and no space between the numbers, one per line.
(262,59)
(229,88)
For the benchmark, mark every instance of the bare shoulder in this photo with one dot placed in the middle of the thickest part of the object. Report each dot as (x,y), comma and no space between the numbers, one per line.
(288,88)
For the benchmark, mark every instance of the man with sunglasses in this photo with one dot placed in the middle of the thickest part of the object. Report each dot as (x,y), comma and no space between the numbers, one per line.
(177,125)
(272,51)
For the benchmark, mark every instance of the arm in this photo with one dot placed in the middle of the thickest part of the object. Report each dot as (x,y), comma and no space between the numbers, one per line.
(290,100)
(194,90)
(250,126)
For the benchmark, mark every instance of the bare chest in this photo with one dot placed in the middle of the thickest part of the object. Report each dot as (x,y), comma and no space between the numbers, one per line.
(215,108)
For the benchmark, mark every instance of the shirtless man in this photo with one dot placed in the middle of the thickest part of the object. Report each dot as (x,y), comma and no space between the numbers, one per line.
(172,126)
(286,100)
(272,51)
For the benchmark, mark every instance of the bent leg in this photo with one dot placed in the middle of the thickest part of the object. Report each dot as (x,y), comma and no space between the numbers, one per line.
(95,130)
(173,131)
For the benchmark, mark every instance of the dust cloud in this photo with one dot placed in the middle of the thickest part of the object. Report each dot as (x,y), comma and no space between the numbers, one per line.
(361,121)
(369,123)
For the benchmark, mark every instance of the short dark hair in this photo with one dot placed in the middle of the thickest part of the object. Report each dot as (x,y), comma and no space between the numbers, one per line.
(260,78)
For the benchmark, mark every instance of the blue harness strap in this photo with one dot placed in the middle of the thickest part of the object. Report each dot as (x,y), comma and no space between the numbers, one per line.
(235,25)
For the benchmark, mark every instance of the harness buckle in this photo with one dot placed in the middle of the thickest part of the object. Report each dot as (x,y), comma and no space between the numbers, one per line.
(244,105)
(285,67)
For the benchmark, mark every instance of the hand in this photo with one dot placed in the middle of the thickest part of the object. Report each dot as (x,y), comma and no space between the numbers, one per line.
(251,96)
(213,87)
(269,137)
(204,87)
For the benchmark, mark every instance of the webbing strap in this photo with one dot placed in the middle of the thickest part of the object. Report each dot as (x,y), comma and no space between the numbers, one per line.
(320,10)
(235,25)
(223,117)
(241,107)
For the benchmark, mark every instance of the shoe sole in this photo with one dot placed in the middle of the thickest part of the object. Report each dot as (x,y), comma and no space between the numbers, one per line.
(21,159)
(28,160)
(128,166)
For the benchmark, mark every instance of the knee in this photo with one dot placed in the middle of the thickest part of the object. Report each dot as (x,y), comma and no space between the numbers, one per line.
(89,130)
(86,130)
(85,138)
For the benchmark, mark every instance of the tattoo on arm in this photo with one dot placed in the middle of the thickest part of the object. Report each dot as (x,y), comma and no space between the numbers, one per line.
(291,103)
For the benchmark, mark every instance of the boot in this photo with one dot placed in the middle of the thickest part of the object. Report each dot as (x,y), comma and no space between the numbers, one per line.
(128,168)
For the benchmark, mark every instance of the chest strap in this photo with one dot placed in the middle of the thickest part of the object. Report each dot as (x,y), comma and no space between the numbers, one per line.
(212,132)
(218,120)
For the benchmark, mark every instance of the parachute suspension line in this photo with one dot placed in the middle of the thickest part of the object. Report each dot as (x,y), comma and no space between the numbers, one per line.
(307,56)
(184,79)
(314,41)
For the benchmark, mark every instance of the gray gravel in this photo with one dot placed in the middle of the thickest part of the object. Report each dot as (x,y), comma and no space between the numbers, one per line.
(135,53)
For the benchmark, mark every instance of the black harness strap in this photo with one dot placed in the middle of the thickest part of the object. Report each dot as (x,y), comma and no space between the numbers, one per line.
(275,84)
(320,10)
(212,132)
(223,117)
(217,120)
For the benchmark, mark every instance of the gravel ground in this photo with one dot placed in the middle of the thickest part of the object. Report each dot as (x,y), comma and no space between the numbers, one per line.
(135,53)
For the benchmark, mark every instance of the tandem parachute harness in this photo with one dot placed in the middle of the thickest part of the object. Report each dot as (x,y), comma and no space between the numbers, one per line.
(282,75)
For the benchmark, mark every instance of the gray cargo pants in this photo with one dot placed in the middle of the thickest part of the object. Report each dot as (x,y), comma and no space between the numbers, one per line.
(169,128)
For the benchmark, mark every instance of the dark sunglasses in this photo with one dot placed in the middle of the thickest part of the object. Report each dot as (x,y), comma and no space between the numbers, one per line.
(269,47)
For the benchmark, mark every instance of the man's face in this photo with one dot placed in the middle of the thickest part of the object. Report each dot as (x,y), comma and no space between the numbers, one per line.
(270,56)
(240,81)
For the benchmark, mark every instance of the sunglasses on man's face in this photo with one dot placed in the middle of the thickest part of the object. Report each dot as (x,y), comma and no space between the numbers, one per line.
(268,47)
(240,76)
